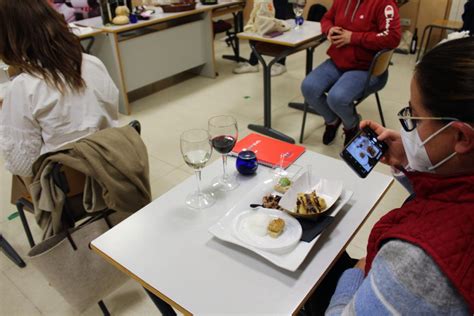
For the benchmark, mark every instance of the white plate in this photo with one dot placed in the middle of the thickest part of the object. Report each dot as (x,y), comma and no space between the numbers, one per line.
(291,235)
(330,190)
(291,260)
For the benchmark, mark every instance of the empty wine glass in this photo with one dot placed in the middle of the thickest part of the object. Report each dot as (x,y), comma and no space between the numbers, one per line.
(224,132)
(196,150)
(298,7)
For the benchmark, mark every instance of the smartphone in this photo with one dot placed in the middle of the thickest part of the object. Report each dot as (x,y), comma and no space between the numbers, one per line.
(363,152)
(273,34)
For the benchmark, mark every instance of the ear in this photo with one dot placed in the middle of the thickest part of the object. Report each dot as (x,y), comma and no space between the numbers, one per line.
(464,138)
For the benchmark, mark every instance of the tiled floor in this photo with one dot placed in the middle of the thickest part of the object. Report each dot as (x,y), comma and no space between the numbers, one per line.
(164,115)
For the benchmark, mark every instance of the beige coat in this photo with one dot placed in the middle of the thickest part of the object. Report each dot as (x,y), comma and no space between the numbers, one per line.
(115,163)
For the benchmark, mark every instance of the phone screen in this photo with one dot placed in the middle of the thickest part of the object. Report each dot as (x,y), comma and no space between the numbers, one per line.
(363,152)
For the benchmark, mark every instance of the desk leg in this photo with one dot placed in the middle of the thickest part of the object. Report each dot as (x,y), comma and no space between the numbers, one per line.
(11,253)
(238,27)
(266,129)
(164,308)
(309,68)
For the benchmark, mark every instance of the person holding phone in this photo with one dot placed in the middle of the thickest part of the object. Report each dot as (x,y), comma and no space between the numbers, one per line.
(420,257)
(357,30)
(60,94)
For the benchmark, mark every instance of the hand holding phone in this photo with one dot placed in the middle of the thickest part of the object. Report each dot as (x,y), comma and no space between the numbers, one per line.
(364,151)
(395,154)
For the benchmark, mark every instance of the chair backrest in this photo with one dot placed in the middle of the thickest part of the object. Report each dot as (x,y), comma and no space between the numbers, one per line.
(316,12)
(72,182)
(381,62)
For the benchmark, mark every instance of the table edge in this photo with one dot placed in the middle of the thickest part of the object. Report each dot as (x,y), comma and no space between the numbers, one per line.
(298,308)
(139,280)
(272,41)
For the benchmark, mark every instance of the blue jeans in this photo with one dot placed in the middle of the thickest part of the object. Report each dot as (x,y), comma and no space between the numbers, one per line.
(342,88)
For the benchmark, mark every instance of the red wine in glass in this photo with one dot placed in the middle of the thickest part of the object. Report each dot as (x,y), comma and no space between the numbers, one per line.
(223,132)
(223,144)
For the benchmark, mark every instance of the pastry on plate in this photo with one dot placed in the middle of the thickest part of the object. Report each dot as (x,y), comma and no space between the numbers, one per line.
(271,201)
(275,227)
(310,203)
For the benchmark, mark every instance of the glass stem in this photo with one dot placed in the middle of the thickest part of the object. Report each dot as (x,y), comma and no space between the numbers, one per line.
(198,178)
(224,165)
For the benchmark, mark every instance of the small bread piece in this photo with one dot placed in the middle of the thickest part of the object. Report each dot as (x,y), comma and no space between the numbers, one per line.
(275,227)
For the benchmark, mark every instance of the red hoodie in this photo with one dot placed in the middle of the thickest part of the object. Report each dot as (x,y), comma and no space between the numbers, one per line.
(375,25)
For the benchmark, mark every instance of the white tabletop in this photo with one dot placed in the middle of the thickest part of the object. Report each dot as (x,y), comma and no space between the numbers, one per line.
(167,247)
(307,32)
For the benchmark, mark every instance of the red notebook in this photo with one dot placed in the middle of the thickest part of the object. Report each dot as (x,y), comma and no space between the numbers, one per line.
(268,150)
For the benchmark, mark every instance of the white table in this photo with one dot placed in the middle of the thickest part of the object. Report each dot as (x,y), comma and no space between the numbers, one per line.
(308,37)
(141,54)
(167,248)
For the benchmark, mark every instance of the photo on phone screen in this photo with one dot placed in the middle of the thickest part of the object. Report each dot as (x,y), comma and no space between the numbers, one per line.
(363,152)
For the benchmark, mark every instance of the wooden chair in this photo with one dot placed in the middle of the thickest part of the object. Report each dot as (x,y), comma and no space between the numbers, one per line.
(378,67)
(441,24)
(71,182)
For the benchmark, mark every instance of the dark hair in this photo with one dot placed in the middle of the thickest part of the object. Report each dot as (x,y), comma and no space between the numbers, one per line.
(445,77)
(36,39)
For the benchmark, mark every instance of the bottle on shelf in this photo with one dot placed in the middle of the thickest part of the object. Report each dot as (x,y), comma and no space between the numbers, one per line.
(414,42)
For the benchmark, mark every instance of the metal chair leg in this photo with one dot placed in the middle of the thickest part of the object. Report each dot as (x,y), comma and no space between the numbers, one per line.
(379,105)
(11,253)
(20,207)
(103,308)
(421,43)
(305,113)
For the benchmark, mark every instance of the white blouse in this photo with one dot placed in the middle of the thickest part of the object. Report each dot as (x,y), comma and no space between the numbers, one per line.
(36,118)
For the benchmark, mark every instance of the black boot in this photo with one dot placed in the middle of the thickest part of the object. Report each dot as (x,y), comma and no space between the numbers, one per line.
(331,131)
(350,134)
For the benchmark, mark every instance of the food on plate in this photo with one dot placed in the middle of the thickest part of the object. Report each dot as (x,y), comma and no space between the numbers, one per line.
(271,201)
(257,224)
(310,203)
(275,227)
(371,151)
(283,185)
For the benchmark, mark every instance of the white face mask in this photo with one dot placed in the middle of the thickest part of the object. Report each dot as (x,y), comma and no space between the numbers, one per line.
(416,153)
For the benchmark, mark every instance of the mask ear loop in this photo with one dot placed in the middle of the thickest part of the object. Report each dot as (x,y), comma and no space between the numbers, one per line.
(436,133)
(442,161)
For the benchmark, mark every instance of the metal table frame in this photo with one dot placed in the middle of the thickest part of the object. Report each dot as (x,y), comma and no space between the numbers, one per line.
(266,128)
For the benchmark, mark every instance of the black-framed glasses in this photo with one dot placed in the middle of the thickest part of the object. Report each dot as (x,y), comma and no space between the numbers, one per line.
(409,121)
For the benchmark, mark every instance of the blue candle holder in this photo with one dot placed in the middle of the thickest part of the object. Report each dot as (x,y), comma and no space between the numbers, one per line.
(247,163)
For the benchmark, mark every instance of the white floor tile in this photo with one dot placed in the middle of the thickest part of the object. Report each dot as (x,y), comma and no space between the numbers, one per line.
(12,301)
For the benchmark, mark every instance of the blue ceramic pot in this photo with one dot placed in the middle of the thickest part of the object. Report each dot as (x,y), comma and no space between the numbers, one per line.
(247,163)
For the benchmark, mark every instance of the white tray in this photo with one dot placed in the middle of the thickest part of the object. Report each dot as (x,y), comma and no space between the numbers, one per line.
(289,261)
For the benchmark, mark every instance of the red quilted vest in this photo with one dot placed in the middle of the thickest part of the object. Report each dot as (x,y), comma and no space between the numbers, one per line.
(440,220)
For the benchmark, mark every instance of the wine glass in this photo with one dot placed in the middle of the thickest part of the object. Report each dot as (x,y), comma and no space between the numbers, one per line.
(298,7)
(196,150)
(223,132)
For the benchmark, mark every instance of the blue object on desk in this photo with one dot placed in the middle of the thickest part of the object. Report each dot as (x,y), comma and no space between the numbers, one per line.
(247,163)
(299,20)
(133,18)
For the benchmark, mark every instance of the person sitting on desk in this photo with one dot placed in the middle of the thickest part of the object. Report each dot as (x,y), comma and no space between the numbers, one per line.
(357,30)
(283,11)
(60,94)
